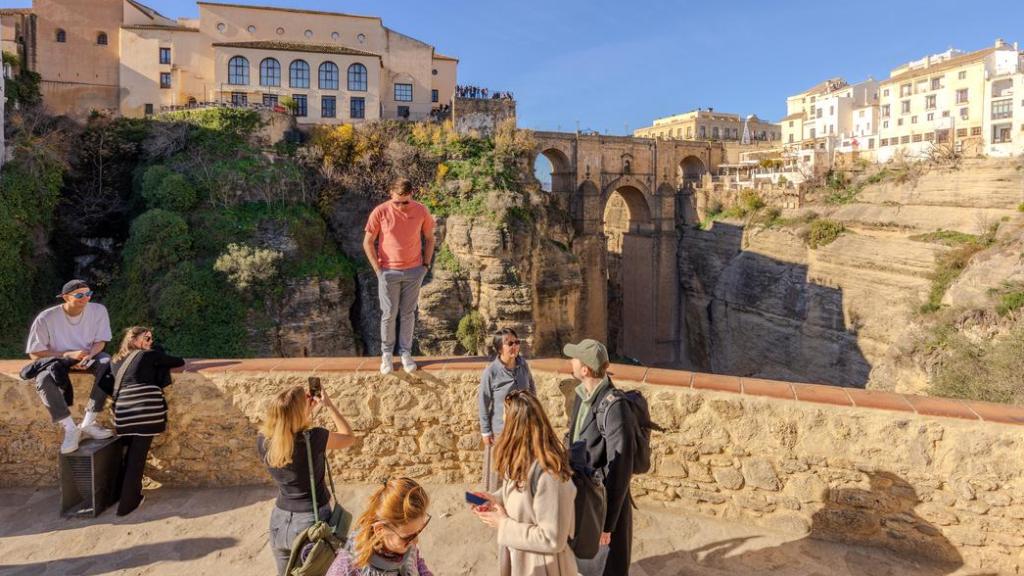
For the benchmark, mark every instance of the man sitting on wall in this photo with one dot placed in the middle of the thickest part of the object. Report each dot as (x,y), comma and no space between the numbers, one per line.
(71,336)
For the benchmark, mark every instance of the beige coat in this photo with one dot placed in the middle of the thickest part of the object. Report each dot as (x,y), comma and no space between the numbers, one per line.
(534,539)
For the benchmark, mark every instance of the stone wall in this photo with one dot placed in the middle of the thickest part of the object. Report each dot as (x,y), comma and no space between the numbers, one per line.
(481,115)
(926,477)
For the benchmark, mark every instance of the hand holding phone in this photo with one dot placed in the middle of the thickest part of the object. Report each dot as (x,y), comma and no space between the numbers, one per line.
(475,500)
(316,389)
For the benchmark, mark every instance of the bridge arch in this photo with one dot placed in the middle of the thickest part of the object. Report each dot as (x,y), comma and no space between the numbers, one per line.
(630,244)
(562,176)
(690,171)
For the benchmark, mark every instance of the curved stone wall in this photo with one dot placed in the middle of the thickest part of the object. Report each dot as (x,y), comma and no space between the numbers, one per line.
(928,477)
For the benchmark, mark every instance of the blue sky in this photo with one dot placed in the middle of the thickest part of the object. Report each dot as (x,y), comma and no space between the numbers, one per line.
(611,65)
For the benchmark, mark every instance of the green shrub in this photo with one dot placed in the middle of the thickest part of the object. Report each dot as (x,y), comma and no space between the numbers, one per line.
(173,192)
(750,201)
(446,260)
(196,317)
(248,266)
(470,332)
(823,232)
(1020,207)
(159,240)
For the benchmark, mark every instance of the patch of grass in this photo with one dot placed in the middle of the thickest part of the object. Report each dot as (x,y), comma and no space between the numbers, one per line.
(946,237)
(991,371)
(1020,207)
(823,232)
(1010,302)
(951,264)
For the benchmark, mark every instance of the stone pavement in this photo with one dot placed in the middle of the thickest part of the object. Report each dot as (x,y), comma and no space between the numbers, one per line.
(223,531)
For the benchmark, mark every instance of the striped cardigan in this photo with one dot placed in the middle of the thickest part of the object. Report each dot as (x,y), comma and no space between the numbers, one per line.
(140,408)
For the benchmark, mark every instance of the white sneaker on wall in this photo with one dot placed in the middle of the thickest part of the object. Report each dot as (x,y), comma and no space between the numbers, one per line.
(71,439)
(408,364)
(386,364)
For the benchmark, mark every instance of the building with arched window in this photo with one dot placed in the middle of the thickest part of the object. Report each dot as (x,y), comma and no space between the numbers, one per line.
(123,55)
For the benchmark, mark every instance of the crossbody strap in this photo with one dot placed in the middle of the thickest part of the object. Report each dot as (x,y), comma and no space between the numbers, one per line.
(312,482)
(119,375)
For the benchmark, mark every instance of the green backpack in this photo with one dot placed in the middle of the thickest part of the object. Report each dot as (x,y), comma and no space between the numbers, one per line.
(325,537)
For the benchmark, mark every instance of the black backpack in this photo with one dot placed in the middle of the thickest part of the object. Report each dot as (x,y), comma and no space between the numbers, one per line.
(591,507)
(641,421)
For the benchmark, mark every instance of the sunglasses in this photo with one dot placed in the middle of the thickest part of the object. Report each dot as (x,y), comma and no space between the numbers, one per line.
(401,202)
(147,338)
(407,540)
(513,343)
(80,295)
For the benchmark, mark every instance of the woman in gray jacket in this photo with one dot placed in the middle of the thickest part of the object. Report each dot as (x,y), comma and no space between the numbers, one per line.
(507,372)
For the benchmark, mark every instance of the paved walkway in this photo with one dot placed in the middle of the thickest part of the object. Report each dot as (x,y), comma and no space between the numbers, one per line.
(223,532)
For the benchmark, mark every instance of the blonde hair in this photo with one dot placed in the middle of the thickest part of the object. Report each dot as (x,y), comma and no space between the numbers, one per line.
(398,501)
(527,438)
(128,342)
(287,414)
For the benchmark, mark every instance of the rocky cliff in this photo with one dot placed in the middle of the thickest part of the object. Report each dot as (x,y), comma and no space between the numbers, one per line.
(758,301)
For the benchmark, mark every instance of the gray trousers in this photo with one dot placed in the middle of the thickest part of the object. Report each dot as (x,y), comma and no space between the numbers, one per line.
(399,292)
(285,526)
(54,399)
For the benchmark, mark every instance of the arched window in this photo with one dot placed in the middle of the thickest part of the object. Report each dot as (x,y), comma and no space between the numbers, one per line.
(328,76)
(270,72)
(357,77)
(238,71)
(298,74)
(101,38)
(62,36)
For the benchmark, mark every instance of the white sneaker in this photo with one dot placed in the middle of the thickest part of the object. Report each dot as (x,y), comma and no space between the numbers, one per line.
(96,432)
(408,364)
(71,440)
(386,364)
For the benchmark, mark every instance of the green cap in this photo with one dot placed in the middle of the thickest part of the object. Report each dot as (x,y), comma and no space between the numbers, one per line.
(591,353)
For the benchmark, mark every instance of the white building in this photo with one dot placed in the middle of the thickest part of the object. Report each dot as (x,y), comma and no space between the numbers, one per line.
(1003,116)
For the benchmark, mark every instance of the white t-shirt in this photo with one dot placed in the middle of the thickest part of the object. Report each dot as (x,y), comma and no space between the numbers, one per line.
(54,330)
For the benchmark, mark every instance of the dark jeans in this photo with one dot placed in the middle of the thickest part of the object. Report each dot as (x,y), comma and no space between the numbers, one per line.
(285,526)
(132,466)
(621,548)
(56,400)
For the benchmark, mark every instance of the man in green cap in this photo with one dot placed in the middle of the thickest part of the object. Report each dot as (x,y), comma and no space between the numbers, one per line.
(609,446)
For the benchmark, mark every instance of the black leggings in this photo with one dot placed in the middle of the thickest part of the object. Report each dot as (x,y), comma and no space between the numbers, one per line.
(132,466)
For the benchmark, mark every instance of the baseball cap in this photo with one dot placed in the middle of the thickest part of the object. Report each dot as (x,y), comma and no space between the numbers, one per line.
(590,352)
(71,286)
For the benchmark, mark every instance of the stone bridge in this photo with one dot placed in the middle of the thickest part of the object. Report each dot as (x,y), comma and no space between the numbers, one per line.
(626,196)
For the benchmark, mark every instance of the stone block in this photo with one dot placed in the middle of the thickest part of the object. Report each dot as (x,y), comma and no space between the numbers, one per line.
(728,478)
(759,473)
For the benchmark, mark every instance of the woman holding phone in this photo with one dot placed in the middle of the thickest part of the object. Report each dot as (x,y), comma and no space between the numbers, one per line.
(534,511)
(282,446)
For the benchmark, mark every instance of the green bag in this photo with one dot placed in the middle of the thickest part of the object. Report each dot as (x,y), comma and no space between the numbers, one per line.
(324,537)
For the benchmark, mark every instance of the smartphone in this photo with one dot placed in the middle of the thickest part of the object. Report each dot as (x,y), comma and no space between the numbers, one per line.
(315,389)
(476,500)
(88,363)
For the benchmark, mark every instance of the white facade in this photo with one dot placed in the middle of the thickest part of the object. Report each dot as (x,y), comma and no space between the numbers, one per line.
(1003,120)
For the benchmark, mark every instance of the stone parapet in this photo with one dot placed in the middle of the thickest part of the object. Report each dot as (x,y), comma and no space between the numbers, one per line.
(926,477)
(481,115)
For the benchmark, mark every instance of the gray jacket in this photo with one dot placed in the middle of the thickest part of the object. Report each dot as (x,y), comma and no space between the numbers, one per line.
(495,383)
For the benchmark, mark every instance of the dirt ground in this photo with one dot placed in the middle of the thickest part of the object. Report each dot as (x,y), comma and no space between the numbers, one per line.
(223,532)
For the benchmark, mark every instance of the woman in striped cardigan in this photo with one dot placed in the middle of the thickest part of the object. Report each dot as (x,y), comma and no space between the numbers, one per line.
(141,371)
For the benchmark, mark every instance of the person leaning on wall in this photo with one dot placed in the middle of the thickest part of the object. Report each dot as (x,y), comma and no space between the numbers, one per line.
(141,372)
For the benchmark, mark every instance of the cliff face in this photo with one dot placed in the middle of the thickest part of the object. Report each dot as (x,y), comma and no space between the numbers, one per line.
(759,302)
(515,272)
